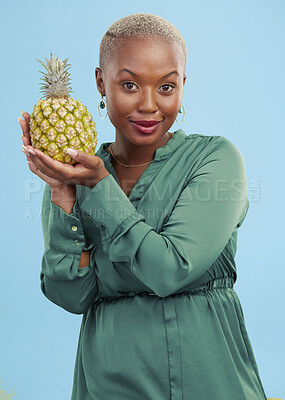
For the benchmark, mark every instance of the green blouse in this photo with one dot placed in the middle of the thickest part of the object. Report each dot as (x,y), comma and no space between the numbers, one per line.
(161,319)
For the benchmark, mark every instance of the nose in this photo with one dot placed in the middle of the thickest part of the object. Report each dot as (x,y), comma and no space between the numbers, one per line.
(147,101)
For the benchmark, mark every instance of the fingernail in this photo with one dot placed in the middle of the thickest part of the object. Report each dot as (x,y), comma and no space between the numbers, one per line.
(19,119)
(22,112)
(22,135)
(72,152)
(30,151)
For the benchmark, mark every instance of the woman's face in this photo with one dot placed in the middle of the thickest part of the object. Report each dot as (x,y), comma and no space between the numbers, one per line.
(144,92)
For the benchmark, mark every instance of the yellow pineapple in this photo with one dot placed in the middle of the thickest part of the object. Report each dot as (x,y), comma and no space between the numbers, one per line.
(58,121)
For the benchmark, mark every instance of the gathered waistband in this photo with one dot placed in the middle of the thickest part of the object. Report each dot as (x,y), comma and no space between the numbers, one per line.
(218,283)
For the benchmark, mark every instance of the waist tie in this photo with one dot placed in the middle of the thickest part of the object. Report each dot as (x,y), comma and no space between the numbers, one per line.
(218,283)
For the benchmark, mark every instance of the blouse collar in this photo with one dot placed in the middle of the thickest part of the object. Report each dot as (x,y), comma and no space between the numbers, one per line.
(160,153)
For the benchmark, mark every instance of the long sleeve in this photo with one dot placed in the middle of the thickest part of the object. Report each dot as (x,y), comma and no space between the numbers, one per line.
(208,209)
(62,280)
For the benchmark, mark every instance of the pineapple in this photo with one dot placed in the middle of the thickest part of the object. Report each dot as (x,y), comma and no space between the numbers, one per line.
(58,121)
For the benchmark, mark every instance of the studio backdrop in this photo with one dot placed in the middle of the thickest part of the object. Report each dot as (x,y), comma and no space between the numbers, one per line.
(234,88)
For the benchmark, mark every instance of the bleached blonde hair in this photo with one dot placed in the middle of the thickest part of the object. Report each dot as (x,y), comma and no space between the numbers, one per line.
(138,25)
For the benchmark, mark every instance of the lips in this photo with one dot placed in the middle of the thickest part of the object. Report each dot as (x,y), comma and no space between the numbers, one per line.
(150,128)
(146,123)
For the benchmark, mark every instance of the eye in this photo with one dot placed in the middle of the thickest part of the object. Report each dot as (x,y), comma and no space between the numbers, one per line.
(128,83)
(168,85)
(129,86)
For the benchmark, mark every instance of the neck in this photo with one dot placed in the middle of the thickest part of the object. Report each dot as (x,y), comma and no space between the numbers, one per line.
(130,154)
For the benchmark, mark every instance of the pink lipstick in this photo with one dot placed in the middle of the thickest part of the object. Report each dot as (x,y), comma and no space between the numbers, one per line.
(146,126)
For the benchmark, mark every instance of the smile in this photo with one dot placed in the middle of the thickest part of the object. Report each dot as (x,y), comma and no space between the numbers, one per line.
(146,126)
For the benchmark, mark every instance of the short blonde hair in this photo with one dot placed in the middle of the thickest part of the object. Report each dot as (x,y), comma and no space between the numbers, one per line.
(137,26)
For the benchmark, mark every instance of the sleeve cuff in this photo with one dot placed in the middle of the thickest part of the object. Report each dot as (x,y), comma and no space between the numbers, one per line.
(66,233)
(108,206)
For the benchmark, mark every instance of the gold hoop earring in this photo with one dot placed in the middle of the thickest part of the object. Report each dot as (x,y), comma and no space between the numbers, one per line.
(102,104)
(180,111)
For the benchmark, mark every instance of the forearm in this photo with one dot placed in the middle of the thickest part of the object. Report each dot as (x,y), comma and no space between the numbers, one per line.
(85,259)
(64,198)
(68,277)
(62,282)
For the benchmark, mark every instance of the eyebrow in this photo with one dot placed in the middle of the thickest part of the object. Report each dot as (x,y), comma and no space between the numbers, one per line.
(132,73)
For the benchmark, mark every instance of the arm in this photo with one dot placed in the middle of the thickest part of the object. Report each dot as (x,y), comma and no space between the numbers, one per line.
(65,199)
(84,259)
(207,211)
(62,280)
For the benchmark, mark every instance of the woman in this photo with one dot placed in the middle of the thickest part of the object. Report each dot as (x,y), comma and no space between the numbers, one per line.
(142,242)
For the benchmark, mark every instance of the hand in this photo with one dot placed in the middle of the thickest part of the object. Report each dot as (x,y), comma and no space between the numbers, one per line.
(88,172)
(25,125)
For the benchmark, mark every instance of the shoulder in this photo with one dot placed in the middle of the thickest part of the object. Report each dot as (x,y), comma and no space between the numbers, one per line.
(210,140)
(209,144)
(229,152)
(212,155)
(199,144)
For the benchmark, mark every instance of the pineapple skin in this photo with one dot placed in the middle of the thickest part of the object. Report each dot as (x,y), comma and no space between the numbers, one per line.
(59,123)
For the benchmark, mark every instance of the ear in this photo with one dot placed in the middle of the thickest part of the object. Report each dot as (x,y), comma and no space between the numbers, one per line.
(184,79)
(99,81)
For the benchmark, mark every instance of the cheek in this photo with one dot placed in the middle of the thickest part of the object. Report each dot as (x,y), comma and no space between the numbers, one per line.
(169,105)
(120,105)
(119,110)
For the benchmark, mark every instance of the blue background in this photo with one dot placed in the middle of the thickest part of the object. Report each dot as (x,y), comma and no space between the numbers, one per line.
(234,88)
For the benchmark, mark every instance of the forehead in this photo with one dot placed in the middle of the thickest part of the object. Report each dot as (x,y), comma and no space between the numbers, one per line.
(146,54)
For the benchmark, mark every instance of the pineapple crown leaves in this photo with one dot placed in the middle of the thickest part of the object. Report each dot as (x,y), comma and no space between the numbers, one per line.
(56,79)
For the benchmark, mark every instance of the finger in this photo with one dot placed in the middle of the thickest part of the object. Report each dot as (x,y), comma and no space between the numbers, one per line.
(27,137)
(25,126)
(88,160)
(25,140)
(33,166)
(29,149)
(26,116)
(29,156)
(37,171)
(26,153)
(50,167)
